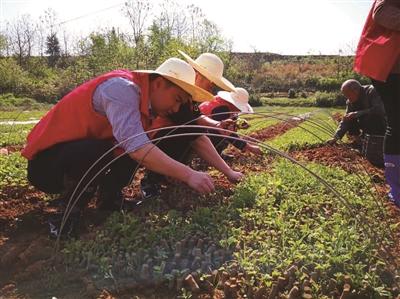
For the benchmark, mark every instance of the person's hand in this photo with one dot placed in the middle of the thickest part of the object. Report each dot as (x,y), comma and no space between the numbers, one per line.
(243,124)
(200,181)
(332,141)
(234,176)
(227,124)
(350,116)
(253,149)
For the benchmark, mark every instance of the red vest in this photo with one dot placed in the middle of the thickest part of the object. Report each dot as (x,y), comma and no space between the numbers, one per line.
(74,118)
(207,108)
(377,51)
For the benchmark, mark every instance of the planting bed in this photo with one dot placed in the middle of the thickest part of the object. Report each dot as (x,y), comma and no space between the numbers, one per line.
(281,233)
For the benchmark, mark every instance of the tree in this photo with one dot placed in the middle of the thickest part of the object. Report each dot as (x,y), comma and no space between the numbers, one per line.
(173,19)
(53,49)
(47,26)
(22,35)
(196,17)
(3,44)
(137,13)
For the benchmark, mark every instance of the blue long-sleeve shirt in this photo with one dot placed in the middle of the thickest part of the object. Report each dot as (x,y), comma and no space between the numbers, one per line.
(119,100)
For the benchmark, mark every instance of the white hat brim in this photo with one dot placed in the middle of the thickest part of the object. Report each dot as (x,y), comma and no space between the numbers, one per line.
(198,94)
(226,96)
(221,82)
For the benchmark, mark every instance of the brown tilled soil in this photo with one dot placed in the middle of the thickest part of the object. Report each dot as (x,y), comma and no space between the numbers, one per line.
(29,269)
(275,130)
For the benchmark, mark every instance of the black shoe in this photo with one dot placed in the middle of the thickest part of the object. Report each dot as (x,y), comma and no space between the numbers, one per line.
(114,201)
(71,224)
(149,189)
(150,185)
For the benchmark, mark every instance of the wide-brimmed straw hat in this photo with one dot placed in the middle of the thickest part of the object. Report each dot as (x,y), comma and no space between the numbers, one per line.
(211,67)
(183,75)
(238,98)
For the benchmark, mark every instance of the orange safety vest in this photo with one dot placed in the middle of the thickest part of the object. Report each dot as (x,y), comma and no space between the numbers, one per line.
(74,118)
(377,50)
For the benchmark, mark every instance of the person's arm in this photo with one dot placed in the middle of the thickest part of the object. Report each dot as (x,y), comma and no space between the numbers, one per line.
(360,113)
(151,157)
(341,130)
(219,121)
(375,103)
(207,121)
(222,113)
(343,126)
(206,150)
(386,14)
(118,99)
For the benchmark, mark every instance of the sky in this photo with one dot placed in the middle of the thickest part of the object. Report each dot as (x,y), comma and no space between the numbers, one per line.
(289,27)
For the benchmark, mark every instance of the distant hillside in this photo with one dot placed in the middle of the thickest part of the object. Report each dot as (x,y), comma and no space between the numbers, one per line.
(271,72)
(269,57)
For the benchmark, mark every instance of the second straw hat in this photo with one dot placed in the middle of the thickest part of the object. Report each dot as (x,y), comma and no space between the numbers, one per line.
(211,67)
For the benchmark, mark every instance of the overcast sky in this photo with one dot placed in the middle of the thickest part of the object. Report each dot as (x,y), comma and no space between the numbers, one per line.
(279,26)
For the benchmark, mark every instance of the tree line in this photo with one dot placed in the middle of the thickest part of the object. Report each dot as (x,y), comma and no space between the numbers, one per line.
(40,59)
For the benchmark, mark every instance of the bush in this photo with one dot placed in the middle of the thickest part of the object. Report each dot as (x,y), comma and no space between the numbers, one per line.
(255,101)
(329,99)
(9,102)
(285,102)
(12,76)
(291,93)
(329,84)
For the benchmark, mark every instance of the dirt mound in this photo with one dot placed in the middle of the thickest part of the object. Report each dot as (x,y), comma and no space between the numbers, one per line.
(276,130)
(341,156)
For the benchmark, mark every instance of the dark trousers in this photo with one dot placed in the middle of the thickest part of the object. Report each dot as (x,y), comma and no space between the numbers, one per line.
(50,168)
(178,148)
(369,124)
(389,91)
(220,143)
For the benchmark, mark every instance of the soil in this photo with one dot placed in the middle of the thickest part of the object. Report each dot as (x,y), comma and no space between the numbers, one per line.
(275,130)
(30,269)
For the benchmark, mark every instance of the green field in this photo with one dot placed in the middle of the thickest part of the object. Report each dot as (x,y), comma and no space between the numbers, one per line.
(312,225)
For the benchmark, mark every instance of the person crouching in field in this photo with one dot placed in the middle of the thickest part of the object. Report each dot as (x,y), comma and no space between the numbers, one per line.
(70,151)
(209,70)
(365,113)
(227,105)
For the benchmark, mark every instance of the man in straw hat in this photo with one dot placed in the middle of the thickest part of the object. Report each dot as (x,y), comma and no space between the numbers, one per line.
(227,105)
(209,70)
(71,150)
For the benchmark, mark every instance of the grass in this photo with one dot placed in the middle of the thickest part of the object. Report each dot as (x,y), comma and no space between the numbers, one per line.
(13,170)
(14,134)
(273,115)
(21,115)
(314,131)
